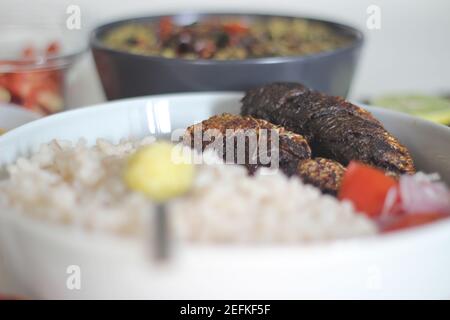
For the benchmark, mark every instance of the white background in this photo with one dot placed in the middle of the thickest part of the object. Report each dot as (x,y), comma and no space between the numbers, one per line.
(410,52)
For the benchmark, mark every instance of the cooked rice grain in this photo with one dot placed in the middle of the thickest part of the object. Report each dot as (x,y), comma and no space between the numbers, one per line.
(82,186)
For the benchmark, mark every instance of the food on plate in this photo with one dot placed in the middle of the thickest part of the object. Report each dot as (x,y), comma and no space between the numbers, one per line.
(411,201)
(418,193)
(2,131)
(226,38)
(367,185)
(366,188)
(224,131)
(322,173)
(334,128)
(381,184)
(83,186)
(159,172)
(38,88)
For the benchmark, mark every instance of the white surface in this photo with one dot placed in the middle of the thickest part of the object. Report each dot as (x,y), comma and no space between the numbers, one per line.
(12,116)
(409,53)
(35,255)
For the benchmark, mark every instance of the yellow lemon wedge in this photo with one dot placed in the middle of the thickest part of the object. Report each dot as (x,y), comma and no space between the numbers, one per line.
(160,171)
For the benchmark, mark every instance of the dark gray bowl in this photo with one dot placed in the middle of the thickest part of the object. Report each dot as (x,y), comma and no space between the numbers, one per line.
(125,74)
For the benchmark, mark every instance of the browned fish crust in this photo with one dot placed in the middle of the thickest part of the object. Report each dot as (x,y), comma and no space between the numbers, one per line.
(292,147)
(322,173)
(334,128)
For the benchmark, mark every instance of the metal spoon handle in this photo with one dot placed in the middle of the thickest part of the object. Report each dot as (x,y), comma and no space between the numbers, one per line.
(162,241)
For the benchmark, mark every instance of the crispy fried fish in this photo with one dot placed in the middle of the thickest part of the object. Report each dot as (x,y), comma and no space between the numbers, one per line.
(333,127)
(222,132)
(322,173)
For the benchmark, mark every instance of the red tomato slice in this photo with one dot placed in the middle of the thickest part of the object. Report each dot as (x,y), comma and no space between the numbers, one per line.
(165,27)
(19,84)
(235,28)
(366,187)
(53,48)
(29,52)
(413,220)
(3,80)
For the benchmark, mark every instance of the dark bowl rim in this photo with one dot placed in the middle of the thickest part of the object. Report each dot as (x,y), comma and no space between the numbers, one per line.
(97,43)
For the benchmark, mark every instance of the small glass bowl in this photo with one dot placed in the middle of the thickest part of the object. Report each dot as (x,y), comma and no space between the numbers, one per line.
(35,58)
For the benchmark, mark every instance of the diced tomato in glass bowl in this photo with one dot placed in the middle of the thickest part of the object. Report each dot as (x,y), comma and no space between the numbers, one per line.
(33,68)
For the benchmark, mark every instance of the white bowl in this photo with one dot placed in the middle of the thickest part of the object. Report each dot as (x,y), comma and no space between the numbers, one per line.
(12,116)
(36,255)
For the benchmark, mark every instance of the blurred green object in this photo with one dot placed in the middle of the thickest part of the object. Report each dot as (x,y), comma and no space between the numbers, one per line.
(433,108)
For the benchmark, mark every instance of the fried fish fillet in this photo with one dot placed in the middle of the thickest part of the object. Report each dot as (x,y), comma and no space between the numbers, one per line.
(222,132)
(322,173)
(334,128)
